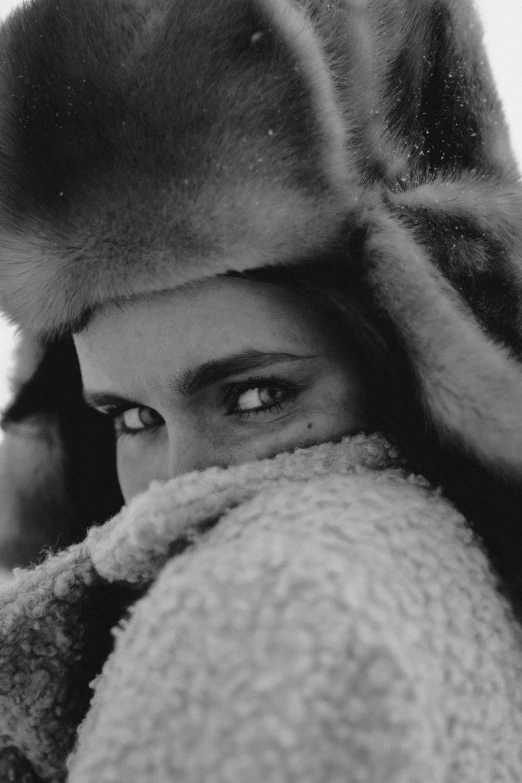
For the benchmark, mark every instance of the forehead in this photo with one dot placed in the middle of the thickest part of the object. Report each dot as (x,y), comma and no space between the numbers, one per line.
(229,303)
(195,324)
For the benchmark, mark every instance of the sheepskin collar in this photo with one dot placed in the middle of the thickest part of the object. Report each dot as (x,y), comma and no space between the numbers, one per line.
(339,623)
(333,573)
(170,516)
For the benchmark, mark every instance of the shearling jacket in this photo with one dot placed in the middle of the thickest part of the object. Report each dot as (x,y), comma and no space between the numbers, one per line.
(319,617)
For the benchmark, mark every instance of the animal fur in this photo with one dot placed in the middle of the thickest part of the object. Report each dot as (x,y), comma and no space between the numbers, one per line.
(133,159)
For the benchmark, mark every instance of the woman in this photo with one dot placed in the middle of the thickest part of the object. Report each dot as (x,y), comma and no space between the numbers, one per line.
(257,238)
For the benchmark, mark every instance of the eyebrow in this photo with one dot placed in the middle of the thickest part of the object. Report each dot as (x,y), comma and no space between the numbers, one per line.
(190,382)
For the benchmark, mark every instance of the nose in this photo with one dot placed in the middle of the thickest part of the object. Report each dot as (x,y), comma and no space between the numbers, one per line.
(177,449)
(188,450)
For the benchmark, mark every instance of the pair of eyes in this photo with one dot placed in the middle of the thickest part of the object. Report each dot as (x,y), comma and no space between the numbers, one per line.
(241,400)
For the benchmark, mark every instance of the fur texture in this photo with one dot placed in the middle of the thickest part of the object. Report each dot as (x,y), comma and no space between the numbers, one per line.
(133,160)
(322,616)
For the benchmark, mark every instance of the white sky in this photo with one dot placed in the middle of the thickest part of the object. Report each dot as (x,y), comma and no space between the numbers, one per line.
(503,28)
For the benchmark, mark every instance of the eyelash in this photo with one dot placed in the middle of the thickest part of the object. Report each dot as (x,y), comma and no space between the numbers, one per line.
(231,398)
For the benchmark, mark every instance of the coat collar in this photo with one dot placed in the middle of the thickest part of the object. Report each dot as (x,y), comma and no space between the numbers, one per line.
(168,517)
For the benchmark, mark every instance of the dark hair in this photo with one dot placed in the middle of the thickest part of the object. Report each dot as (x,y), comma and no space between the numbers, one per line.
(335,290)
(58,459)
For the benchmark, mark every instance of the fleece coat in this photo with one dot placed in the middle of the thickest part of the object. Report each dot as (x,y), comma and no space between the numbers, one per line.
(323,617)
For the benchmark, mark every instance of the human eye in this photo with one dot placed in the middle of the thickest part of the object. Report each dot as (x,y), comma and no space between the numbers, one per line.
(259,395)
(134,420)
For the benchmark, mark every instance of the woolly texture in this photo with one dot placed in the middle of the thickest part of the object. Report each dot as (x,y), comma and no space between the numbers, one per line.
(338,624)
(54,628)
(322,616)
(201,498)
(39,613)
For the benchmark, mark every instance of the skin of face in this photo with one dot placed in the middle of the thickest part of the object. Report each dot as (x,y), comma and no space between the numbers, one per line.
(217,373)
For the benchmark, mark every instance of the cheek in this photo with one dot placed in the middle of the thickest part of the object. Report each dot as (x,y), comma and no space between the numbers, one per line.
(337,406)
(339,394)
(346,401)
(139,462)
(331,422)
(330,412)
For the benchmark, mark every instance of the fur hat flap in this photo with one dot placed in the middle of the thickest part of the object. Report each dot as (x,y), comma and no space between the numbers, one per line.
(146,145)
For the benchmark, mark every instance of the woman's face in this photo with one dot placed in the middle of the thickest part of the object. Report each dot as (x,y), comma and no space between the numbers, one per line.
(217,373)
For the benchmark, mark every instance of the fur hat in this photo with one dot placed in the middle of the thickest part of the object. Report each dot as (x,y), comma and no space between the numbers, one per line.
(148,143)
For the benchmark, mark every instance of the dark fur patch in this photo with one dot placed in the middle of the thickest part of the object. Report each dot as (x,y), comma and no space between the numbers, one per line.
(104,88)
(433,104)
(478,265)
(14,766)
(450,130)
(64,121)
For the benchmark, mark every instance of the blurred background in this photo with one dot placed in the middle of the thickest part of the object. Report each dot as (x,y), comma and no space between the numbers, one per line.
(502,21)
